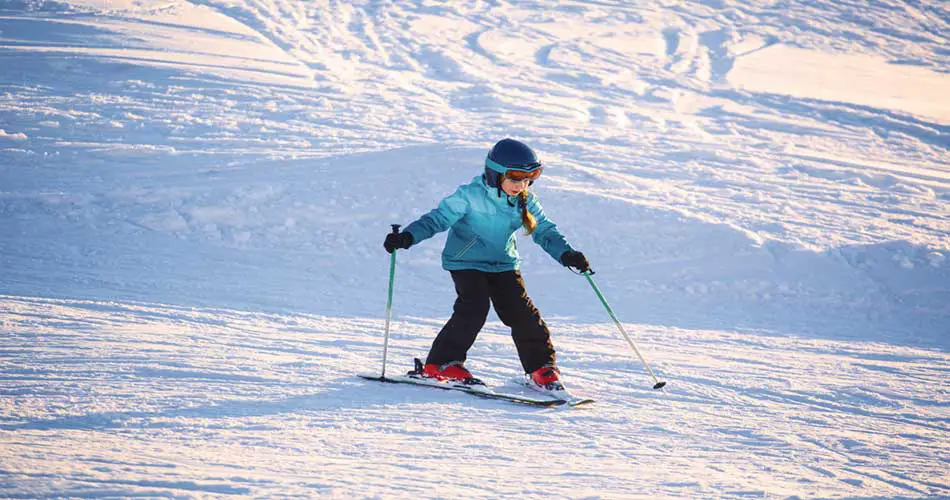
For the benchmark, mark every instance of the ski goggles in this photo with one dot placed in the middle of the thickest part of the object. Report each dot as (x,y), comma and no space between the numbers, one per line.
(521,175)
(529,172)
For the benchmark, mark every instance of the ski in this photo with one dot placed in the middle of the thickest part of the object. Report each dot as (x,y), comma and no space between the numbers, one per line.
(563,395)
(478,390)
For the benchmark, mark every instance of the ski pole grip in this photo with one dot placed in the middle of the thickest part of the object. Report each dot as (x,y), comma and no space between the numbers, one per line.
(395,228)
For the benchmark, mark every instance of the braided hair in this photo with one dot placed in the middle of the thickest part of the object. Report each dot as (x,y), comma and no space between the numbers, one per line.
(527,218)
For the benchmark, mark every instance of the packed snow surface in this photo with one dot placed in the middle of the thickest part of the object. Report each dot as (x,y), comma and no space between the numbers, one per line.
(194,194)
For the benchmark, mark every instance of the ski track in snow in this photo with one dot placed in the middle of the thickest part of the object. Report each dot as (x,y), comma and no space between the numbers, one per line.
(193,194)
(212,401)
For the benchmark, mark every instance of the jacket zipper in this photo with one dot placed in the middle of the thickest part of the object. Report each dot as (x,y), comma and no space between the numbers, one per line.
(466,248)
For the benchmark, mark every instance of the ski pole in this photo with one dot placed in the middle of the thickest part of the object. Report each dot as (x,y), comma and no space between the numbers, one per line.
(389,301)
(659,384)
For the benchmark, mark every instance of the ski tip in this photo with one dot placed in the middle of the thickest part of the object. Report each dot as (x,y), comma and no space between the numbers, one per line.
(659,385)
(579,402)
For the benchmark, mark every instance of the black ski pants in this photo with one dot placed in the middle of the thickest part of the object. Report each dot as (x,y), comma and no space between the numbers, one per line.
(507,294)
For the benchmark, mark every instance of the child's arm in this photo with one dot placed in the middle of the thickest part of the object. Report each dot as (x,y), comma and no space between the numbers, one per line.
(546,233)
(450,210)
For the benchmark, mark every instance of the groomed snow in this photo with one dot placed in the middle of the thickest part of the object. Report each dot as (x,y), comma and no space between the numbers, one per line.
(193,197)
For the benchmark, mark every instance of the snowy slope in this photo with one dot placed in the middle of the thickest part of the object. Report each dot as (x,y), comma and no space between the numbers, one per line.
(193,197)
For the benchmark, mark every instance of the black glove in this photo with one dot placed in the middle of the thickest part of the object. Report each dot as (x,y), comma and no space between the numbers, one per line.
(575,259)
(397,240)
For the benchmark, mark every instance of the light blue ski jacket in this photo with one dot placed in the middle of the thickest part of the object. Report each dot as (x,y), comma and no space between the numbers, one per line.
(482,227)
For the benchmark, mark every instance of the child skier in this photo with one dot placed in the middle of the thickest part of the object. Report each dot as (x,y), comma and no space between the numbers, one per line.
(482,257)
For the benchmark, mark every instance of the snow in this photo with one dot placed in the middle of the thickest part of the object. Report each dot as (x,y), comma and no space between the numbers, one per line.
(193,197)
(852,79)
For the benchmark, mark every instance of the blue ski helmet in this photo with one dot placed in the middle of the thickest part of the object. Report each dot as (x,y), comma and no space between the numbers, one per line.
(509,154)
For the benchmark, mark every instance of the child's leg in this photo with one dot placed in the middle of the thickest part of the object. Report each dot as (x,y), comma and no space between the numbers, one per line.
(468,317)
(515,309)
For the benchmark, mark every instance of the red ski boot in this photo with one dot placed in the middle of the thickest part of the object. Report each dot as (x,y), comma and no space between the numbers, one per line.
(452,371)
(546,379)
